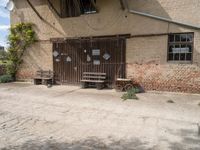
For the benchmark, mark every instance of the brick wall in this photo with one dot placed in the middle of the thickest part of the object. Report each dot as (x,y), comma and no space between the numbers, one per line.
(179,78)
(147,65)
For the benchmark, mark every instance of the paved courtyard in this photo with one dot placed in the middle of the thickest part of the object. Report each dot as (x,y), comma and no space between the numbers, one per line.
(67,117)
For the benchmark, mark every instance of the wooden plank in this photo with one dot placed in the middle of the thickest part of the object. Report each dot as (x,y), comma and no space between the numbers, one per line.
(94,73)
(94,77)
(95,81)
(122,79)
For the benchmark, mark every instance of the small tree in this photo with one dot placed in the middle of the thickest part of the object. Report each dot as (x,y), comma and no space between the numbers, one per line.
(21,37)
(3,56)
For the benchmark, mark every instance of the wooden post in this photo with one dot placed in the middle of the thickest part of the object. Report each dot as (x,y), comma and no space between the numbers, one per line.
(94,4)
(122,4)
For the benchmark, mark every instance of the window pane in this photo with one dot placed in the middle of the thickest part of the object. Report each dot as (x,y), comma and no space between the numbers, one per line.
(189,56)
(171,38)
(190,48)
(189,37)
(176,49)
(171,48)
(184,48)
(183,37)
(176,56)
(177,38)
(87,6)
(170,57)
(182,56)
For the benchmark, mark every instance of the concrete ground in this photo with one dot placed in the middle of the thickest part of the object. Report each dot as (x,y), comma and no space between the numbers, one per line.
(67,117)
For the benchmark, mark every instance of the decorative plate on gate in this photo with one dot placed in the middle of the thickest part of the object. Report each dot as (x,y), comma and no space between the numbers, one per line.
(68,59)
(96,62)
(106,56)
(55,53)
(96,52)
(88,58)
(57,60)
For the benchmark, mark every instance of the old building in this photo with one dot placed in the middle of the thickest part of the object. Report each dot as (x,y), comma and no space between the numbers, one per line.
(154,42)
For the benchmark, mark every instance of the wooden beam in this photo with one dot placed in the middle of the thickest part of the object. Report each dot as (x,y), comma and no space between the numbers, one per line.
(122,4)
(62,39)
(94,4)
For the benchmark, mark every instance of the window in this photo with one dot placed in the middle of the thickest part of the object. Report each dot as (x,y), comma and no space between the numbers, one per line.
(88,6)
(180,47)
(73,8)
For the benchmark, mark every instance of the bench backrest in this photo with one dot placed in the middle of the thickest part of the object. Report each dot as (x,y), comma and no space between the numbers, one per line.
(45,74)
(94,76)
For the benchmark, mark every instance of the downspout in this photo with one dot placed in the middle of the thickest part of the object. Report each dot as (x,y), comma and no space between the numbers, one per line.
(33,8)
(160,18)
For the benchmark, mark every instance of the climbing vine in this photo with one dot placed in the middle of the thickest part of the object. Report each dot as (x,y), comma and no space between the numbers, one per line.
(20,38)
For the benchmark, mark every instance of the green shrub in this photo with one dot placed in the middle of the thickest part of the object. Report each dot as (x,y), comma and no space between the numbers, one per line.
(21,37)
(131,94)
(6,78)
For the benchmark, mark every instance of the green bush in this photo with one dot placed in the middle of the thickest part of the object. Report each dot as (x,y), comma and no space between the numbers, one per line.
(6,78)
(131,94)
(21,37)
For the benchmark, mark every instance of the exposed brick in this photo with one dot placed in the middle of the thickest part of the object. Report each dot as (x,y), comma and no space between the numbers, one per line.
(176,78)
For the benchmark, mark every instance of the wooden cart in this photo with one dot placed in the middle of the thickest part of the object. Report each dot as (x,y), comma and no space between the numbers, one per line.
(122,84)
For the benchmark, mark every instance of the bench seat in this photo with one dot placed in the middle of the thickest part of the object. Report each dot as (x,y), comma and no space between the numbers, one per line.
(96,81)
(44,77)
(97,78)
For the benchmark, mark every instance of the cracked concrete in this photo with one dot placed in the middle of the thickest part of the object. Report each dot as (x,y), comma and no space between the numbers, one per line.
(67,117)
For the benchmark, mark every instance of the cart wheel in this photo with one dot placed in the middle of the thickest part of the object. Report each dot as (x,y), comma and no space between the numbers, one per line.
(119,88)
(128,87)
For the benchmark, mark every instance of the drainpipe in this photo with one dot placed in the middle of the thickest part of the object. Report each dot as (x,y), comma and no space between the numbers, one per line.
(160,18)
(37,13)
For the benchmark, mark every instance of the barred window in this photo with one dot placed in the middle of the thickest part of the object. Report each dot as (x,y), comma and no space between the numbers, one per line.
(180,47)
(88,6)
(73,8)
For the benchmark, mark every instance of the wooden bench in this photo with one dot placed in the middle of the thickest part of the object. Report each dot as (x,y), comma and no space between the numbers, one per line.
(44,77)
(93,78)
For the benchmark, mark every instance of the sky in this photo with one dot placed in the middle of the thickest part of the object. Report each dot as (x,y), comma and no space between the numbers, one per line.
(4,23)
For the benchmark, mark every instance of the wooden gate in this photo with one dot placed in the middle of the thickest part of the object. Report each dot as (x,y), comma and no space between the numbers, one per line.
(72,57)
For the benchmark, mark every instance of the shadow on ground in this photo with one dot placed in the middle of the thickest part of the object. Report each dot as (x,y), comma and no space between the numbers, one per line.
(88,144)
(190,140)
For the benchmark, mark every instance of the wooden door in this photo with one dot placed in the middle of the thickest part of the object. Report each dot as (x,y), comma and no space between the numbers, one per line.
(75,56)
